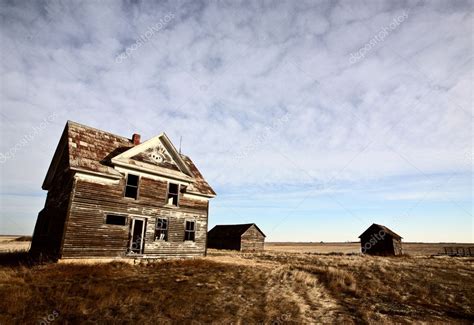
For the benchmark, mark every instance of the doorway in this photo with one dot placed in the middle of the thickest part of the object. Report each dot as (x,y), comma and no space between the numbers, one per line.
(137,235)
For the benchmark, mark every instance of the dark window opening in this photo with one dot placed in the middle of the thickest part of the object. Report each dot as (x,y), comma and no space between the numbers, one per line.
(161,229)
(190,231)
(173,194)
(113,219)
(131,188)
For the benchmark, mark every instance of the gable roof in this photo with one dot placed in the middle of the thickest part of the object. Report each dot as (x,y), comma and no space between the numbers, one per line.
(375,227)
(92,150)
(161,140)
(226,231)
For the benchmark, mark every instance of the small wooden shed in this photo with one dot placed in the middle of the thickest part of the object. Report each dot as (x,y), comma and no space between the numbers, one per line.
(379,240)
(243,237)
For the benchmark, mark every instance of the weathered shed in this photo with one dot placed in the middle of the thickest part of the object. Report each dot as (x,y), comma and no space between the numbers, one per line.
(243,237)
(379,240)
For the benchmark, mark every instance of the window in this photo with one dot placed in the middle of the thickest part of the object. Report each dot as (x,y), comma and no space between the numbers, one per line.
(131,188)
(161,229)
(173,194)
(190,230)
(113,219)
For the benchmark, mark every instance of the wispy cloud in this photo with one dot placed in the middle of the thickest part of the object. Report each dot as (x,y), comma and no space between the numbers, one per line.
(220,73)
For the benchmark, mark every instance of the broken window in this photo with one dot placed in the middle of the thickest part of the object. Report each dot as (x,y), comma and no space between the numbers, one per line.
(173,194)
(190,230)
(161,229)
(131,188)
(113,219)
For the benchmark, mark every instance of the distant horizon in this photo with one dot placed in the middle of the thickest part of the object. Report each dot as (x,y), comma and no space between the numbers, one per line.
(313,242)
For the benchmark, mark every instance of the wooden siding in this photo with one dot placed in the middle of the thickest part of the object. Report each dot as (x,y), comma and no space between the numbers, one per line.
(252,240)
(87,234)
(231,243)
(397,246)
(49,227)
(175,245)
(244,237)
(386,246)
(193,204)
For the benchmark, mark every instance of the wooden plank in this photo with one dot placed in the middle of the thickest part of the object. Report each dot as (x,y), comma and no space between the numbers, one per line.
(87,235)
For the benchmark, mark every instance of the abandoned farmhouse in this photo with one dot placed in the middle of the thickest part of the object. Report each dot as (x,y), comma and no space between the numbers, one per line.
(379,240)
(110,196)
(243,237)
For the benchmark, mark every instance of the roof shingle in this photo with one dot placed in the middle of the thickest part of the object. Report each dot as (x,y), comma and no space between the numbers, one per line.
(92,150)
(230,231)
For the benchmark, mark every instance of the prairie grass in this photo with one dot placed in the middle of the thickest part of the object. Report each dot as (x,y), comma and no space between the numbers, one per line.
(180,291)
(391,289)
(245,288)
(414,249)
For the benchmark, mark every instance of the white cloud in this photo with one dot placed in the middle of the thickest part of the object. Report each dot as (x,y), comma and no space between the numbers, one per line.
(223,71)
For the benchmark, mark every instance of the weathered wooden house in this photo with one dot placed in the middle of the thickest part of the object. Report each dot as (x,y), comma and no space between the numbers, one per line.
(379,240)
(243,237)
(110,196)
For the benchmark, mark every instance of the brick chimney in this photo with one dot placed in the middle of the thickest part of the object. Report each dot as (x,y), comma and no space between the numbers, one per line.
(136,139)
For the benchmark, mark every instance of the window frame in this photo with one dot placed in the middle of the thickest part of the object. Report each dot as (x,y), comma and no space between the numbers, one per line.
(133,186)
(126,221)
(193,232)
(168,194)
(165,239)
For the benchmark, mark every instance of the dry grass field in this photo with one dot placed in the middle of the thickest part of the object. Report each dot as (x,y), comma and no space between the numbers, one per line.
(272,287)
(414,249)
(13,243)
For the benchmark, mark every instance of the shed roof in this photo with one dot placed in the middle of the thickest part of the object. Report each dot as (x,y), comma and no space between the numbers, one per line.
(91,150)
(375,227)
(226,231)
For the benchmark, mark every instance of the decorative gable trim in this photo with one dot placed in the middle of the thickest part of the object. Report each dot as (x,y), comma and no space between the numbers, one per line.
(131,165)
(161,141)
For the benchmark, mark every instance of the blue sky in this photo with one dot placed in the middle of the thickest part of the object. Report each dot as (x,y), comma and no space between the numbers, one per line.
(313,119)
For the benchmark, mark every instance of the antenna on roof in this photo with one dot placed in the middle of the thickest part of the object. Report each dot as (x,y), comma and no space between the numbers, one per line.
(180,140)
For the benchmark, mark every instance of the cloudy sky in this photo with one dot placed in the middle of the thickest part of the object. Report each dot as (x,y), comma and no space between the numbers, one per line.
(313,119)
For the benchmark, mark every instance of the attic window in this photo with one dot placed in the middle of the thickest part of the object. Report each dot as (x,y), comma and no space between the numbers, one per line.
(131,188)
(173,194)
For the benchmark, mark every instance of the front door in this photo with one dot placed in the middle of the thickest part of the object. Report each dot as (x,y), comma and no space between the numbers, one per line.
(137,235)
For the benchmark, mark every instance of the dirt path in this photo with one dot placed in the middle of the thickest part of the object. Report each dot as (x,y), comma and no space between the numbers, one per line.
(285,283)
